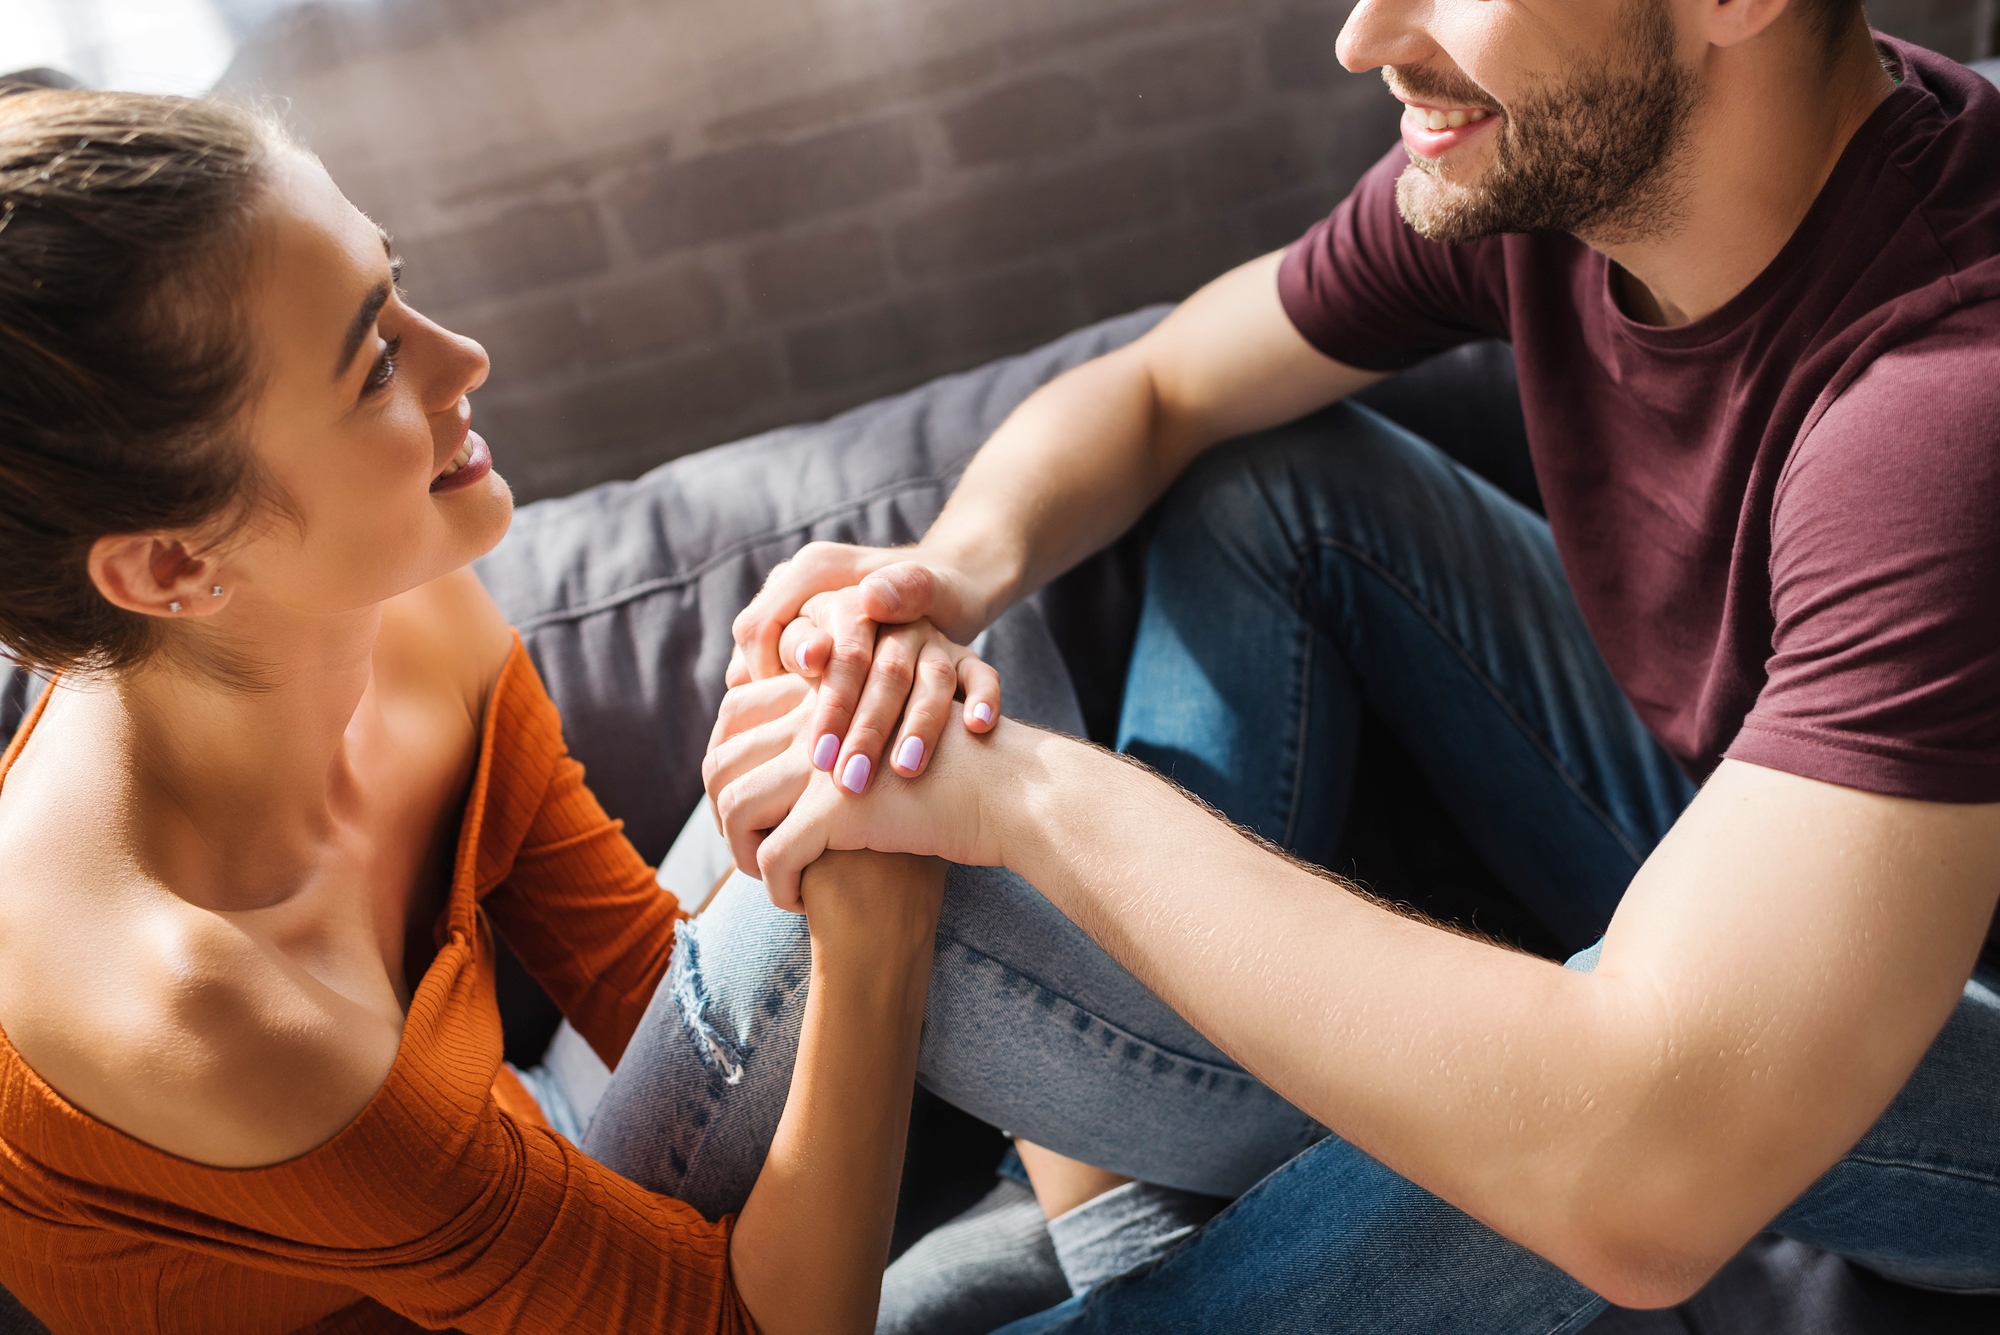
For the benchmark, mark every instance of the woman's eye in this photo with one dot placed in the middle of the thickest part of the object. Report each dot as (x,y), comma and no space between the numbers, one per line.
(384,369)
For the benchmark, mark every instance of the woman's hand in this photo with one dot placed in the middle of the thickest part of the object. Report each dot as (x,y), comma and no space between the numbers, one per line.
(828,612)
(912,674)
(759,775)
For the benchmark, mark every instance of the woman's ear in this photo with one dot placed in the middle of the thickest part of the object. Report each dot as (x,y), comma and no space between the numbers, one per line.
(154,574)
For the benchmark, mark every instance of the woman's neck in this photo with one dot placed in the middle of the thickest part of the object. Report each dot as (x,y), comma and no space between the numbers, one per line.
(251,782)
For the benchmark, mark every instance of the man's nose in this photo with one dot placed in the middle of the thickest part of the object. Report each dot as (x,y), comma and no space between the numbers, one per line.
(1384,32)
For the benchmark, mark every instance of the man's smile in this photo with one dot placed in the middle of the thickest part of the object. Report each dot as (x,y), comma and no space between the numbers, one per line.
(1433,131)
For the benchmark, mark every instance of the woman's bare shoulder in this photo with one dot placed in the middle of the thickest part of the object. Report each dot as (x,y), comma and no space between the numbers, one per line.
(449,630)
(191,1035)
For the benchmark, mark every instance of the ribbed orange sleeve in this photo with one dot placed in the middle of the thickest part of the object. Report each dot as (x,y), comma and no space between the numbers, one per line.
(577,903)
(434,1208)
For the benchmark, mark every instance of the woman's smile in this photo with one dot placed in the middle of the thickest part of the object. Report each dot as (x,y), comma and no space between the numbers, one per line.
(472,462)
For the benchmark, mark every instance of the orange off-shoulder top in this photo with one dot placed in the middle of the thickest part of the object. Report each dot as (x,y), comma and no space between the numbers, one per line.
(447,1204)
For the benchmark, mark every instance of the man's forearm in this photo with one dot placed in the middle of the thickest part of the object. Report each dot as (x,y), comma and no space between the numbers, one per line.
(1635,1125)
(1084,456)
(1070,470)
(1427,1049)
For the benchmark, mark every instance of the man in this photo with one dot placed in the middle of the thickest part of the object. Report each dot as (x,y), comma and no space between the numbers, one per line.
(1743,687)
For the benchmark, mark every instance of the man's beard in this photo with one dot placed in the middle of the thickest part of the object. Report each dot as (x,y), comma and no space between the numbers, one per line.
(1593,155)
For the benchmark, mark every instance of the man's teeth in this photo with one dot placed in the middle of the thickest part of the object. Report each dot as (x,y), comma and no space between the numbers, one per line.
(459,460)
(1451,120)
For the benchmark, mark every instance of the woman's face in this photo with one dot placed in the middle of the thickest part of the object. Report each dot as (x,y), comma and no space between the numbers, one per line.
(362,423)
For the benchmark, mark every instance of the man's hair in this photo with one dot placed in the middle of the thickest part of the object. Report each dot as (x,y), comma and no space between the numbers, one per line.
(1831,19)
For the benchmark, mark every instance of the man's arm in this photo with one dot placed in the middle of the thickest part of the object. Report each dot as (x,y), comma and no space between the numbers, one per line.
(1770,980)
(1072,468)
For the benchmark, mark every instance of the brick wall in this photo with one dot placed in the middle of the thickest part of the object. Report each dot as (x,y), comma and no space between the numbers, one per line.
(674,222)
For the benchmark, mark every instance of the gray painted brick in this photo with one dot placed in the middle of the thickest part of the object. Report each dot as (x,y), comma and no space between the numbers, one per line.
(667,310)
(800,274)
(1298,51)
(850,100)
(1175,81)
(531,246)
(762,186)
(677,405)
(1240,164)
(1285,219)
(1019,217)
(1165,264)
(528,339)
(1023,119)
(937,331)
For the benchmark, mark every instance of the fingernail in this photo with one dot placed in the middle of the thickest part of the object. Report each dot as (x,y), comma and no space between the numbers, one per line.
(824,750)
(912,753)
(886,591)
(983,712)
(856,777)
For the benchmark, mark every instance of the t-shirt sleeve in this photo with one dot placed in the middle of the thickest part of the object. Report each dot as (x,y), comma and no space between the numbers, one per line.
(1884,673)
(1365,289)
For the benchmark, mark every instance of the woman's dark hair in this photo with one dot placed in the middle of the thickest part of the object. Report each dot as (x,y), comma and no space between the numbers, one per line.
(124,235)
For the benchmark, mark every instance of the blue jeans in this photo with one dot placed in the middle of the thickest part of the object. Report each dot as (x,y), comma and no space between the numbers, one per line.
(1342,561)
(1029,1025)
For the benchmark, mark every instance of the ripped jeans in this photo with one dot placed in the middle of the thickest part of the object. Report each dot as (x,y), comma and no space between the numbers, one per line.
(1029,1025)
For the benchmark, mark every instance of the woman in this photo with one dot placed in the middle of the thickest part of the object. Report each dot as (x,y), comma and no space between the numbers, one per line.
(295,771)
(295,766)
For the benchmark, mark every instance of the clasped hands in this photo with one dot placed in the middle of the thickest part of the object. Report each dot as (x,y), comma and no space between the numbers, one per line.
(846,659)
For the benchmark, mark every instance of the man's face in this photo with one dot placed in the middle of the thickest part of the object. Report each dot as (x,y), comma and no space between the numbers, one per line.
(1532,115)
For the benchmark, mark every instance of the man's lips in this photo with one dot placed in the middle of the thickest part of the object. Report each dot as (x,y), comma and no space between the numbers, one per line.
(1429,132)
(472,462)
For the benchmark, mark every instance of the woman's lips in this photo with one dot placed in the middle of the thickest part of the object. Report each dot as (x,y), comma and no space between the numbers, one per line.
(1424,141)
(472,462)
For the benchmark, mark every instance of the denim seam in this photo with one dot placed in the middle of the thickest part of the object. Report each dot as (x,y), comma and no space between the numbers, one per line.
(1576,1320)
(1987,1179)
(1235,1073)
(1302,697)
(1369,563)
(611,602)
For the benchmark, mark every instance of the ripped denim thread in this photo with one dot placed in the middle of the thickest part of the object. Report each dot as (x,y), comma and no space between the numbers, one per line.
(717,1052)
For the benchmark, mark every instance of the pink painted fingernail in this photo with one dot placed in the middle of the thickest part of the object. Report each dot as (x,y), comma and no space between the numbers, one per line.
(855,778)
(912,753)
(824,750)
(983,712)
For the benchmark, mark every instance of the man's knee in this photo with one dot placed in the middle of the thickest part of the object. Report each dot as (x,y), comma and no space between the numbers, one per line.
(1279,492)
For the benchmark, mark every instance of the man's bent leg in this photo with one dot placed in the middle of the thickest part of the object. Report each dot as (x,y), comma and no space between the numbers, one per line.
(1341,560)
(1918,1199)
(1333,1243)
(1029,1025)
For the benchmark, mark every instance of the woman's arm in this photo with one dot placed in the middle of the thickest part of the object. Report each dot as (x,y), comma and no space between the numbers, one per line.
(809,1247)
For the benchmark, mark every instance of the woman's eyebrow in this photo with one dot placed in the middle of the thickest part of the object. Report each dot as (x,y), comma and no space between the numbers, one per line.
(371,306)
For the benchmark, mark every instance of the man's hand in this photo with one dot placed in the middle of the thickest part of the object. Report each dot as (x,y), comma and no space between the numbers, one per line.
(894,585)
(834,601)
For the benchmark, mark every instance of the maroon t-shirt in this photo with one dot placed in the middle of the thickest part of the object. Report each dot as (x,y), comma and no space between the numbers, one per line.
(1782,521)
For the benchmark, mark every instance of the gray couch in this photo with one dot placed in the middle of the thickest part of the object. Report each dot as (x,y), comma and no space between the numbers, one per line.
(669,558)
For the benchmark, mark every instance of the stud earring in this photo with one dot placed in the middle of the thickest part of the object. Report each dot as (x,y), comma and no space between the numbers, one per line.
(173,607)
(215,592)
